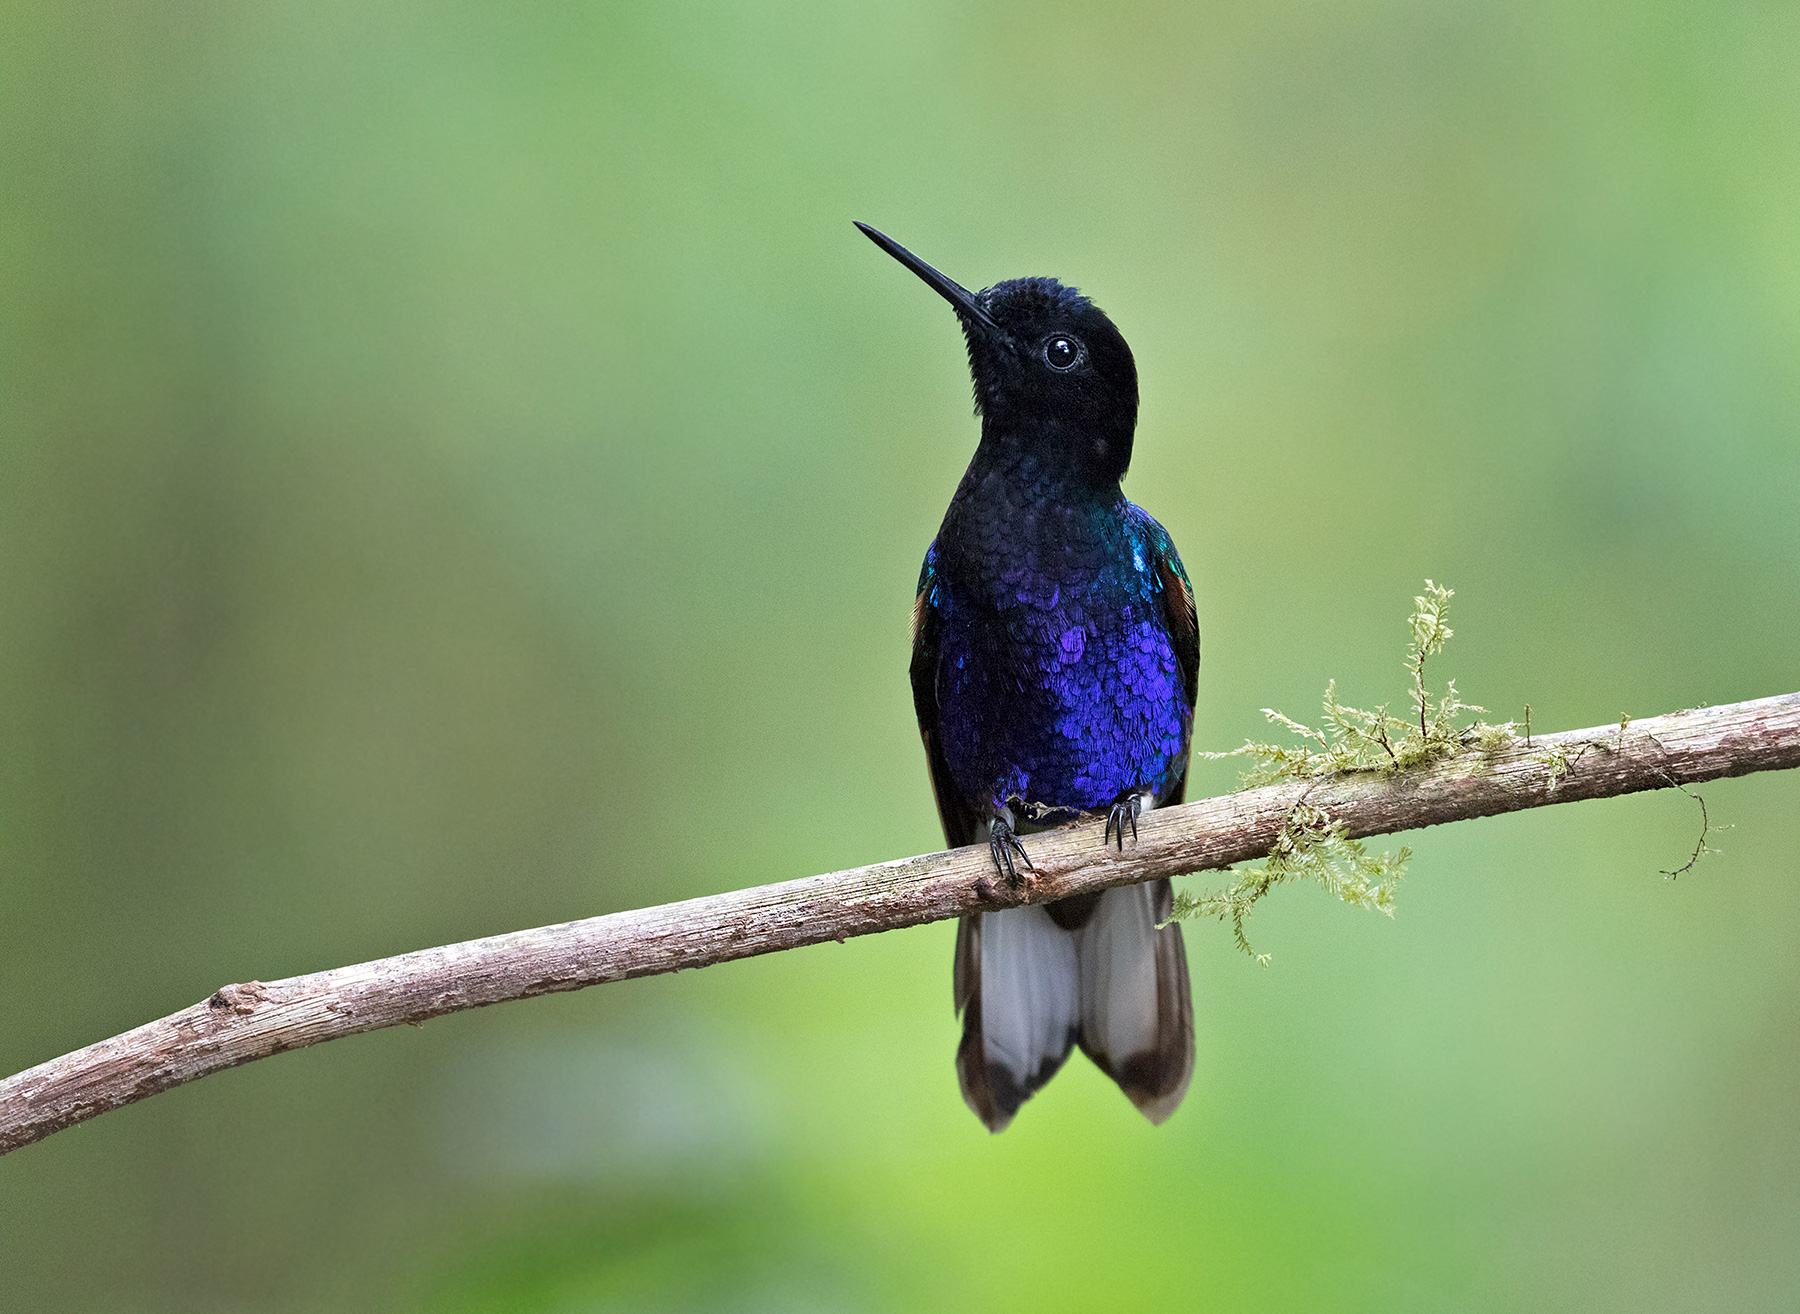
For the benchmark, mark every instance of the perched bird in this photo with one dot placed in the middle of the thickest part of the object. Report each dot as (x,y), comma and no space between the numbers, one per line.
(1055,657)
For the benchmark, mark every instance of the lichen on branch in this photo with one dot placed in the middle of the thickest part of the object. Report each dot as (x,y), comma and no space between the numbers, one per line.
(1348,739)
(1311,847)
(1352,739)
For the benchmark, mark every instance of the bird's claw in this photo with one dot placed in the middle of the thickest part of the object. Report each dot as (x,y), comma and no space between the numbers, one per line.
(1004,845)
(1123,813)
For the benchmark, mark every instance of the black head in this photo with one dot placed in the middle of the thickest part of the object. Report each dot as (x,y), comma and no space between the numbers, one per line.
(1051,372)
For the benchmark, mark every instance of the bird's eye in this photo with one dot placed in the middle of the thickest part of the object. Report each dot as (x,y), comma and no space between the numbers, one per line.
(1061,352)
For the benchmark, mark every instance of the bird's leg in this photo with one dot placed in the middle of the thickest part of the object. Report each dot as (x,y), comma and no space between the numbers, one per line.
(1123,813)
(1003,844)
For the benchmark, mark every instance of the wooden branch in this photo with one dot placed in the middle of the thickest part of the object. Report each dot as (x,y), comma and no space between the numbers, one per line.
(254,1020)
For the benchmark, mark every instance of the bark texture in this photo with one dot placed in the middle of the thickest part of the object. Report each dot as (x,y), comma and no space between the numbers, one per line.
(255,1019)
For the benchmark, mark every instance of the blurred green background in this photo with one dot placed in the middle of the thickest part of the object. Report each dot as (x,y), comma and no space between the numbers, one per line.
(460,470)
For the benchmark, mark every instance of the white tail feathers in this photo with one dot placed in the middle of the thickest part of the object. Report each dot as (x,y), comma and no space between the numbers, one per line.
(1030,1003)
(1118,974)
(1032,982)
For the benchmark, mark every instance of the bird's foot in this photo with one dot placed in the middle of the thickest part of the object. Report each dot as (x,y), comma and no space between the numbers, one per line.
(1124,813)
(1004,844)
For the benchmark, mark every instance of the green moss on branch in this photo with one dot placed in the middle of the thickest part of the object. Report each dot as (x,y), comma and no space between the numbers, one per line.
(1348,739)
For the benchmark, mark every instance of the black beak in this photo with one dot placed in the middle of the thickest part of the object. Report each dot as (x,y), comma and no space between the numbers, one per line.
(948,288)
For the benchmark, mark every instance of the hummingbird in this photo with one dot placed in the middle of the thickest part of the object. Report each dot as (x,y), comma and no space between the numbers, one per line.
(1055,659)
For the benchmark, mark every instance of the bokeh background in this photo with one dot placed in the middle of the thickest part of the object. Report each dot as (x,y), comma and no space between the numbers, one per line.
(460,470)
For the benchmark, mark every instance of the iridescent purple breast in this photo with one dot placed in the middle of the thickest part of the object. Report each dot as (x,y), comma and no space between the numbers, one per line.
(1059,686)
